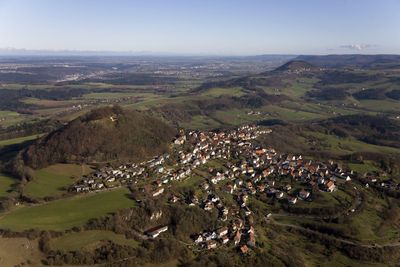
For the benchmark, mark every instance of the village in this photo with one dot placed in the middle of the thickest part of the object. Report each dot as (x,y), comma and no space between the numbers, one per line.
(247,170)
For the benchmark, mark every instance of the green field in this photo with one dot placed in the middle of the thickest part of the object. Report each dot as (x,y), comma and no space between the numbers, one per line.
(216,92)
(18,140)
(89,239)
(51,181)
(200,122)
(8,118)
(342,146)
(381,105)
(6,183)
(362,168)
(66,213)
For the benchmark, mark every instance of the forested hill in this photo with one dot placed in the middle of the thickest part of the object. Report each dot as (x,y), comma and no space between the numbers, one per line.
(104,134)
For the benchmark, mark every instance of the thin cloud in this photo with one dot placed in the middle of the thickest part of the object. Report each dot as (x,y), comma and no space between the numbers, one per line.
(357,47)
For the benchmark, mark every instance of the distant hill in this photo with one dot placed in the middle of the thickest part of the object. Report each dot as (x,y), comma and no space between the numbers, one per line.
(104,134)
(362,61)
(296,65)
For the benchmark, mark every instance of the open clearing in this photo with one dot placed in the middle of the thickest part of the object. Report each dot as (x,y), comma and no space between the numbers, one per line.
(51,181)
(89,239)
(14,251)
(18,140)
(66,213)
(6,183)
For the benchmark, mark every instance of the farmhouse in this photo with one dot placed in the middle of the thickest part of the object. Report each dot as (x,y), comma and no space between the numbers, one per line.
(154,232)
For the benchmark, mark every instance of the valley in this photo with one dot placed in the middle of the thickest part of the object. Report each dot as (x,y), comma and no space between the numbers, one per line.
(285,161)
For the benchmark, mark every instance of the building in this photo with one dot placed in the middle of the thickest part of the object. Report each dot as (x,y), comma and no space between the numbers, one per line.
(155,232)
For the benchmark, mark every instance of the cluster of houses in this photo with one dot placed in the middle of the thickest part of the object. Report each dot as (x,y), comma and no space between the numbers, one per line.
(381,180)
(236,234)
(202,147)
(247,170)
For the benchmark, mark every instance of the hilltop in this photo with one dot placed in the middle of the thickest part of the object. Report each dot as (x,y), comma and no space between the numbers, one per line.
(104,134)
(295,66)
(354,60)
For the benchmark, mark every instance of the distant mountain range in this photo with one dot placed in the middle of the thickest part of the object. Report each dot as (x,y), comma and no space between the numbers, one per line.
(354,60)
(66,52)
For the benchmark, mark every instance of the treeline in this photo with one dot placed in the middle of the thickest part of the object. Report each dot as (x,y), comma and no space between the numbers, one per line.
(29,128)
(328,94)
(377,130)
(394,94)
(345,76)
(10,99)
(183,112)
(124,78)
(372,93)
(249,83)
(153,252)
(382,254)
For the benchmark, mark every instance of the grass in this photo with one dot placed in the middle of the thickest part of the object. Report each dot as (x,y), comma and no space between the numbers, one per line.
(19,140)
(8,118)
(6,183)
(235,116)
(300,87)
(200,122)
(287,113)
(16,250)
(368,220)
(327,199)
(51,181)
(216,92)
(66,213)
(381,105)
(47,103)
(342,146)
(362,168)
(87,239)
(109,95)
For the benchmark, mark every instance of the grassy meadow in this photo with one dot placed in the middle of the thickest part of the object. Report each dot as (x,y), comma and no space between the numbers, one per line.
(66,213)
(6,183)
(52,180)
(89,239)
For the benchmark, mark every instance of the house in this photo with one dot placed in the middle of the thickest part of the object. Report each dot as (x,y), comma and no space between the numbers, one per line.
(198,239)
(224,239)
(330,186)
(244,249)
(210,236)
(154,232)
(279,194)
(252,240)
(222,231)
(156,215)
(173,199)
(303,194)
(237,238)
(288,187)
(292,200)
(247,211)
(225,211)
(158,191)
(209,206)
(251,230)
(211,244)
(229,188)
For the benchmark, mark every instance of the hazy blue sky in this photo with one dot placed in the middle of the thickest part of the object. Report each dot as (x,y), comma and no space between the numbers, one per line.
(203,26)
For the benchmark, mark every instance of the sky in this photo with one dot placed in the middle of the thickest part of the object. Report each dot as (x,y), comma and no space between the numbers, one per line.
(203,27)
